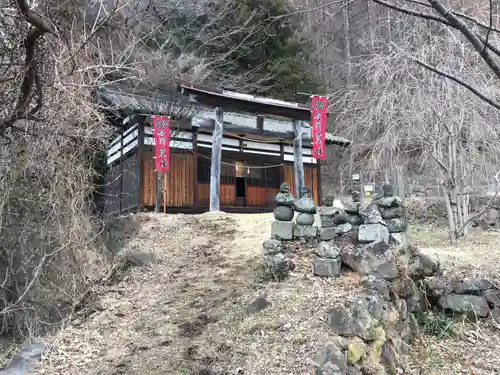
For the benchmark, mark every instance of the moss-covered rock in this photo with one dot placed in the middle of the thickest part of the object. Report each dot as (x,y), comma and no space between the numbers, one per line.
(355,350)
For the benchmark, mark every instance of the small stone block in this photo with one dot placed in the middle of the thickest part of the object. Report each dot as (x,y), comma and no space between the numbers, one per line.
(372,233)
(327,233)
(306,231)
(327,267)
(282,230)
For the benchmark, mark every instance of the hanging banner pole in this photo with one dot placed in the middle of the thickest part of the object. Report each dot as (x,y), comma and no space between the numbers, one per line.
(161,127)
(319,113)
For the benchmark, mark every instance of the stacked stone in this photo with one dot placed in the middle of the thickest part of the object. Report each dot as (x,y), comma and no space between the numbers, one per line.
(276,264)
(327,215)
(374,228)
(327,261)
(306,207)
(353,208)
(393,212)
(282,228)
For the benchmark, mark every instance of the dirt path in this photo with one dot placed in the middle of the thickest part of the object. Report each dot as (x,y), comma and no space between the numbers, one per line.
(186,311)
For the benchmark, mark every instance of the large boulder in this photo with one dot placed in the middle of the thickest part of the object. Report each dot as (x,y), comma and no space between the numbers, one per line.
(375,259)
(471,286)
(360,318)
(472,306)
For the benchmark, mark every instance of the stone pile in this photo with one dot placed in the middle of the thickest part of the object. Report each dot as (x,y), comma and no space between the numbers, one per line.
(352,210)
(334,221)
(282,228)
(373,329)
(370,331)
(470,297)
(327,260)
(327,215)
(304,222)
(276,264)
(374,228)
(393,212)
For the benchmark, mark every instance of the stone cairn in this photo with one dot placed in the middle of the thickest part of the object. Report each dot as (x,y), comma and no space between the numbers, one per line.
(282,228)
(393,212)
(304,222)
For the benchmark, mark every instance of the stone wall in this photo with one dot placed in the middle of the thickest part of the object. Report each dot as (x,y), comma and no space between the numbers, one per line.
(432,211)
(369,333)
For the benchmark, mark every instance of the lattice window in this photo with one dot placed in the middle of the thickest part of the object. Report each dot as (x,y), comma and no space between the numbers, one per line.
(203,175)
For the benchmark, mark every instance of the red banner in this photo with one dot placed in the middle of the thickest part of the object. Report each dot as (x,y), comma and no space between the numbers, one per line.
(319,110)
(161,127)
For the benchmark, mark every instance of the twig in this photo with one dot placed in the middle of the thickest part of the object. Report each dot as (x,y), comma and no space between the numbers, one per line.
(459,81)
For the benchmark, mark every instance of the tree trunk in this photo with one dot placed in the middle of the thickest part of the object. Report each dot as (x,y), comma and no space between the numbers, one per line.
(347,43)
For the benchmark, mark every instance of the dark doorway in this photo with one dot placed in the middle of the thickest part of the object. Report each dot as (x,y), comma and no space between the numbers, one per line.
(240,187)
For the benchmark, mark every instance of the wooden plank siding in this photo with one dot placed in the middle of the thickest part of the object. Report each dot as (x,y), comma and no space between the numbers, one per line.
(227,195)
(203,193)
(148,180)
(179,183)
(182,186)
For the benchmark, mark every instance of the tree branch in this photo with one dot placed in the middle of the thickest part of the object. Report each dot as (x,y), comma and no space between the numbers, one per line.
(469,34)
(459,81)
(30,76)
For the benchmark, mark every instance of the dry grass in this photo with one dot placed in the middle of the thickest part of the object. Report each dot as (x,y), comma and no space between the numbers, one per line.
(473,351)
(185,312)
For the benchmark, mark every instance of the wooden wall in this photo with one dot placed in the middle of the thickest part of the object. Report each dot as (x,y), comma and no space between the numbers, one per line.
(182,187)
(311,179)
(260,196)
(227,195)
(179,183)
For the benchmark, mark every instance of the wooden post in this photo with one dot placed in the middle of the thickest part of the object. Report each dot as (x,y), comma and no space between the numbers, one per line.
(120,199)
(140,165)
(298,164)
(158,190)
(164,179)
(216,160)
